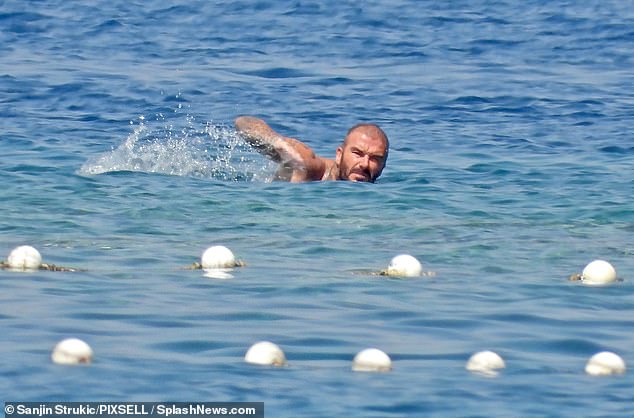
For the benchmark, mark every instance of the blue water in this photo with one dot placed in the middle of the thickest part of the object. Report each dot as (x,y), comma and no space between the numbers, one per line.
(510,169)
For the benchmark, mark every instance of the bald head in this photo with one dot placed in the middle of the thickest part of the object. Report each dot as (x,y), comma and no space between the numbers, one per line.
(363,154)
(371,130)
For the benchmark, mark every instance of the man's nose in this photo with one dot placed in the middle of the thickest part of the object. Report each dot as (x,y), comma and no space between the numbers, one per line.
(365,161)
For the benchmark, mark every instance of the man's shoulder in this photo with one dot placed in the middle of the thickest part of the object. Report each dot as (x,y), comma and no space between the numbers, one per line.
(330,169)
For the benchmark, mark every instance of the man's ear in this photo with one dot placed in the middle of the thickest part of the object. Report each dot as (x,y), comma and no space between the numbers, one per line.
(338,156)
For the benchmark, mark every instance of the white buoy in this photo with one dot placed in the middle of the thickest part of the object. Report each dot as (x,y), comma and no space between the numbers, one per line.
(24,257)
(217,257)
(605,363)
(598,272)
(404,265)
(72,351)
(485,362)
(371,360)
(265,353)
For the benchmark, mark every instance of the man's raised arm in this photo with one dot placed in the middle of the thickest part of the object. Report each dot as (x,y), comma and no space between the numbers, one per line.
(260,135)
(297,161)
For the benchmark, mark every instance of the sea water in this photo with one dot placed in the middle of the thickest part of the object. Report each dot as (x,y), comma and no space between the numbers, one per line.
(510,169)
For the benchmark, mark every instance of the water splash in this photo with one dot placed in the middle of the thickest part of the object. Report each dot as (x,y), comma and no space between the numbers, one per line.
(206,151)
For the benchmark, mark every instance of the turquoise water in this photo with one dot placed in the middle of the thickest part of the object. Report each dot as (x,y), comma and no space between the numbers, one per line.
(510,169)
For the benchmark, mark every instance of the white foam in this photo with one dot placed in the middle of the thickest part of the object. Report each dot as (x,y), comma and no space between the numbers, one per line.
(176,144)
(598,272)
(72,351)
(605,363)
(265,353)
(24,257)
(404,265)
(371,360)
(485,362)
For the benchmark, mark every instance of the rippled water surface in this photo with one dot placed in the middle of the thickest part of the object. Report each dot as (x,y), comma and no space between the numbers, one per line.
(510,169)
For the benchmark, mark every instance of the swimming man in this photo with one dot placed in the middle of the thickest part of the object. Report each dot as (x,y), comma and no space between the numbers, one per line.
(361,157)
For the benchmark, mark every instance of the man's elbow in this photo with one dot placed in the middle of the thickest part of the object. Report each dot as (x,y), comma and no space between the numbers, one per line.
(244,124)
(240,122)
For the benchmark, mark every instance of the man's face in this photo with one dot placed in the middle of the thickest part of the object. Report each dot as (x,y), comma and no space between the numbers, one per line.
(361,157)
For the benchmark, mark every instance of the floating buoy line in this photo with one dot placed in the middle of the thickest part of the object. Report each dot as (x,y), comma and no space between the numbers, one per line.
(218,259)
(27,258)
(43,266)
(596,273)
(74,351)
